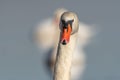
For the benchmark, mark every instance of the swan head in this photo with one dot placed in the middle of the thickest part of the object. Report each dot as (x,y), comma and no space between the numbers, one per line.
(69,25)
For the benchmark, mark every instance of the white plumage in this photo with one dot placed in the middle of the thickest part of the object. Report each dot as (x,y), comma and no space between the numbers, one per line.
(46,35)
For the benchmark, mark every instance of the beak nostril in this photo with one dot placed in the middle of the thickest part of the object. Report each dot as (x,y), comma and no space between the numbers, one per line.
(64,42)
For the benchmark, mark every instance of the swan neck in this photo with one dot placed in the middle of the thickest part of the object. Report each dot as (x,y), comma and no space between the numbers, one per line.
(64,59)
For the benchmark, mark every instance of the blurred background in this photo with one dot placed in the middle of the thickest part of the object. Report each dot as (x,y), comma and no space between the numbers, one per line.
(21,59)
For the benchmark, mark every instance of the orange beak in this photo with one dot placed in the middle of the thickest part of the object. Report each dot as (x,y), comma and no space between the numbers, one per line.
(65,37)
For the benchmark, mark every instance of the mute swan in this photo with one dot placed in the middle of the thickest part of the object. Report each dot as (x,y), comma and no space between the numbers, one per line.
(69,26)
(47,37)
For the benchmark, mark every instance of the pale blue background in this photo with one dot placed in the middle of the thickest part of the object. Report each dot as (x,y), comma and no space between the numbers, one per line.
(21,60)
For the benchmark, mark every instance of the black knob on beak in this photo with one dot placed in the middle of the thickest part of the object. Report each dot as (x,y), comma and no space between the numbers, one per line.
(65,24)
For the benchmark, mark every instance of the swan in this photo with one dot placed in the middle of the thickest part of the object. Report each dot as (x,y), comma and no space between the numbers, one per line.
(47,36)
(69,26)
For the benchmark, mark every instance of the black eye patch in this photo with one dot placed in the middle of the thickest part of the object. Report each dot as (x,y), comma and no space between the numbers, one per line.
(63,21)
(70,21)
(66,23)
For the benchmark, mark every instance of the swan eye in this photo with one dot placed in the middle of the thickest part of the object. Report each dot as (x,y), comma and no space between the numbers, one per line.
(70,22)
(63,21)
